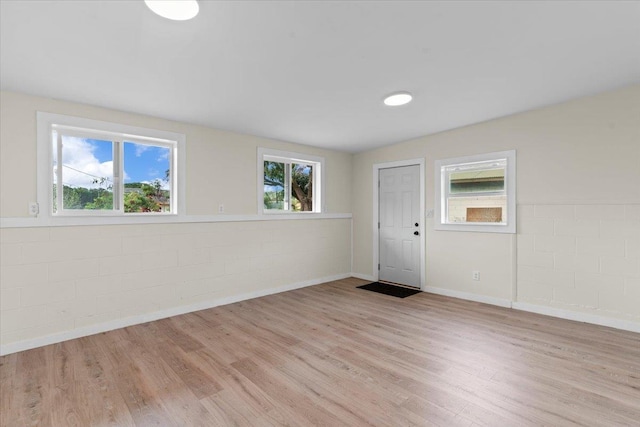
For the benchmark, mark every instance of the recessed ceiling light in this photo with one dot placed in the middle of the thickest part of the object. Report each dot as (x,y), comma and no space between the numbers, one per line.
(398,98)
(177,10)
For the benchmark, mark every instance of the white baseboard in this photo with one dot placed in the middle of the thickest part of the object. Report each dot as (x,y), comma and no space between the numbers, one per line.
(626,325)
(469,296)
(148,317)
(15,347)
(363,277)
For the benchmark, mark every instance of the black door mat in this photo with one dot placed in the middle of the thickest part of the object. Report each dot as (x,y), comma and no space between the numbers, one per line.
(394,291)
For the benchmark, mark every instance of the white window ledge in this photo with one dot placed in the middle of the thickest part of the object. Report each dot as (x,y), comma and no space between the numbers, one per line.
(24,222)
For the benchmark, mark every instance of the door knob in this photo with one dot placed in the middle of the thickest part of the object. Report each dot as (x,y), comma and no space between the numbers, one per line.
(416,224)
(415,233)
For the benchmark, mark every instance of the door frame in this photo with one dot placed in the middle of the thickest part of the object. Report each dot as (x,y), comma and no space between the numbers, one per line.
(376,209)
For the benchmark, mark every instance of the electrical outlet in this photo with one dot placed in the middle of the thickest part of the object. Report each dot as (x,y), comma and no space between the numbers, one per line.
(476,275)
(34,208)
(221,208)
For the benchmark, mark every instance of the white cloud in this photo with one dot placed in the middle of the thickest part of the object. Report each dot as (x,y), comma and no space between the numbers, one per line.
(164,155)
(141,148)
(81,166)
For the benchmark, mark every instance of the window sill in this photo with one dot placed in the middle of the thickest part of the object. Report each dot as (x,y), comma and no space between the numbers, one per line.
(289,213)
(24,222)
(477,228)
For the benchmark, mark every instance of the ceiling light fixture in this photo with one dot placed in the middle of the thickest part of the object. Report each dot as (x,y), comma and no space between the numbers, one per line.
(177,10)
(398,98)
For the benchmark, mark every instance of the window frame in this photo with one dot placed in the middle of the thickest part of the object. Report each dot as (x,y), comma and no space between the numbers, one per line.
(118,134)
(288,157)
(442,193)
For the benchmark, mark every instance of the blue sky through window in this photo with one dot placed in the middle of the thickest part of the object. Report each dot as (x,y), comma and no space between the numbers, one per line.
(86,160)
(145,163)
(102,150)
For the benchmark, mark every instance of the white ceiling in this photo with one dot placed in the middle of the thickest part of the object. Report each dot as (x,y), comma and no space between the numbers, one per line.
(316,72)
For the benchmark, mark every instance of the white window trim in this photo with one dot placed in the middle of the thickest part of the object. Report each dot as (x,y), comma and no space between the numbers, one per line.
(136,134)
(510,183)
(289,156)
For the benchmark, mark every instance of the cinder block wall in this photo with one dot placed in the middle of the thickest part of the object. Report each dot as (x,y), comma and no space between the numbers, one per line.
(580,257)
(60,282)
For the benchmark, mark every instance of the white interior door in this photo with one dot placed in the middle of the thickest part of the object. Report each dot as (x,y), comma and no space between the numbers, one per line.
(399,225)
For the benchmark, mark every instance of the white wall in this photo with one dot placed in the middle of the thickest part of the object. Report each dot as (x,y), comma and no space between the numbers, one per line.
(583,258)
(63,282)
(221,166)
(576,249)
(578,183)
(66,281)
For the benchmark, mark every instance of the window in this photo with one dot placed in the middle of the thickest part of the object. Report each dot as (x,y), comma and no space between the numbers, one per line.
(476,193)
(98,168)
(289,182)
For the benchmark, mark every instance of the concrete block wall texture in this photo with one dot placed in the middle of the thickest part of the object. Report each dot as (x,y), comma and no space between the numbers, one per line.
(580,257)
(576,248)
(578,196)
(57,279)
(60,281)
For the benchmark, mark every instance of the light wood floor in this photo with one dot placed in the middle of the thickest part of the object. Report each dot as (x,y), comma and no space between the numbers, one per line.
(332,355)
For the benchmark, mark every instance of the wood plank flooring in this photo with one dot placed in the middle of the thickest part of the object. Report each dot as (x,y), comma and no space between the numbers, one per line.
(332,355)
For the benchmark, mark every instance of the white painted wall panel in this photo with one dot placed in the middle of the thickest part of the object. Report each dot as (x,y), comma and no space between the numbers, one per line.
(58,280)
(578,209)
(597,274)
(42,296)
